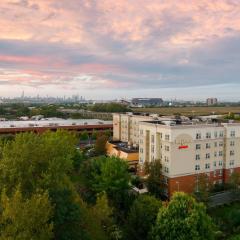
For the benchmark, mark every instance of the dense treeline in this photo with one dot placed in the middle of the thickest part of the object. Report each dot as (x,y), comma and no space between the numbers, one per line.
(16,110)
(109,107)
(51,190)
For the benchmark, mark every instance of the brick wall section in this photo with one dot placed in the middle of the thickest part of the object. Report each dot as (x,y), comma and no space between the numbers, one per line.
(227,173)
(188,183)
(184,184)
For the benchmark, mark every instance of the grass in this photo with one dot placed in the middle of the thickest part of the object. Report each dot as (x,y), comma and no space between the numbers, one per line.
(189,110)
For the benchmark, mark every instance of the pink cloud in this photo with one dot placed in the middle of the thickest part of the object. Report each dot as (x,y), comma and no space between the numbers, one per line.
(100,38)
(56,21)
(21,59)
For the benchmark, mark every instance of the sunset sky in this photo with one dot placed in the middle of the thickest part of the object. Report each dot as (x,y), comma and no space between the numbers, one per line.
(105,49)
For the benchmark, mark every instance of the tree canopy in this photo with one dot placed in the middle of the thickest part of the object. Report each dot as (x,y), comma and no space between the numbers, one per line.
(24,219)
(183,218)
(142,217)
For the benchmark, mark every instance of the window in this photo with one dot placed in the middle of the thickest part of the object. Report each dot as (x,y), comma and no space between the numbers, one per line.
(220,144)
(152,148)
(198,146)
(207,165)
(208,145)
(152,138)
(197,157)
(141,132)
(220,163)
(220,172)
(231,163)
(214,173)
(207,155)
(197,167)
(166,159)
(215,154)
(166,169)
(208,135)
(161,135)
(221,134)
(232,153)
(215,144)
(214,163)
(232,134)
(232,143)
(167,148)
(141,141)
(141,150)
(167,137)
(215,134)
(198,136)
(220,154)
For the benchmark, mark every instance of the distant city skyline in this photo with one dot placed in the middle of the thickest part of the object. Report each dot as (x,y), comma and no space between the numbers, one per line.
(110,49)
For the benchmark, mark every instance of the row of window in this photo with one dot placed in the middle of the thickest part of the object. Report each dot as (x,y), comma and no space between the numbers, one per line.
(198,135)
(209,135)
(220,154)
(208,165)
(166,137)
(216,134)
(208,145)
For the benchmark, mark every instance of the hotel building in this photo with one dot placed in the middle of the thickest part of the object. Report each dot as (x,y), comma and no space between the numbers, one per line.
(189,149)
(186,148)
(126,126)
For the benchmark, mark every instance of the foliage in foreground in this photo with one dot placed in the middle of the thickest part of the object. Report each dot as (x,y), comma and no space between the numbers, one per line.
(142,217)
(29,218)
(183,218)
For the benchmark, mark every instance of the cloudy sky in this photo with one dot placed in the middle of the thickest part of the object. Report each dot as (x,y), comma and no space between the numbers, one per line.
(104,49)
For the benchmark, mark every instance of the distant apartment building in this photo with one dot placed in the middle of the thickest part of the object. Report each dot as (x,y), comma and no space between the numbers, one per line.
(126,126)
(146,102)
(211,101)
(187,150)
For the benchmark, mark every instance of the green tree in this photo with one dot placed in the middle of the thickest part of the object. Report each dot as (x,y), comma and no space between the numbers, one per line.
(94,135)
(111,176)
(23,219)
(37,161)
(46,162)
(109,107)
(183,218)
(100,145)
(203,186)
(84,136)
(68,216)
(103,212)
(155,178)
(142,217)
(106,174)
(235,181)
(235,237)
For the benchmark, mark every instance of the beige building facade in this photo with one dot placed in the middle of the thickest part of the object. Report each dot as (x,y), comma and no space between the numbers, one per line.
(126,126)
(188,150)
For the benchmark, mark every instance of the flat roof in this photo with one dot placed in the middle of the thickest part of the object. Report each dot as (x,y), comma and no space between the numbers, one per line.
(189,124)
(49,122)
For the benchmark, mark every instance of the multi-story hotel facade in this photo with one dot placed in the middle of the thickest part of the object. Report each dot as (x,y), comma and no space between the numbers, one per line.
(188,150)
(126,126)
